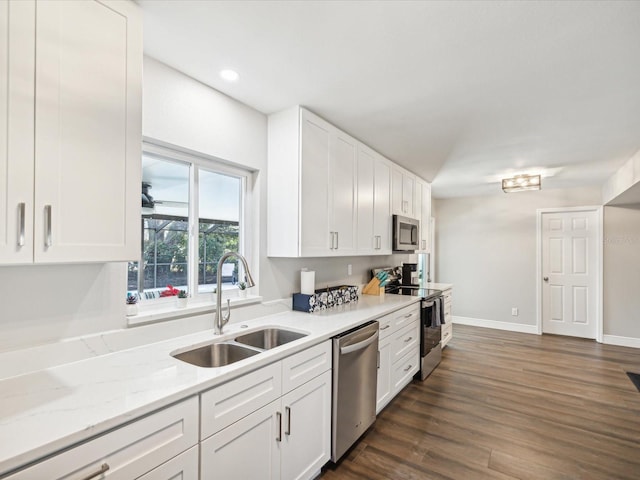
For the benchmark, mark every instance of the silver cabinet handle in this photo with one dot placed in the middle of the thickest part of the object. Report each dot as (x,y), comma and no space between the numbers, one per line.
(385,327)
(288,411)
(279,420)
(47,216)
(21,207)
(103,468)
(408,368)
(409,315)
(424,244)
(337,239)
(408,340)
(546,279)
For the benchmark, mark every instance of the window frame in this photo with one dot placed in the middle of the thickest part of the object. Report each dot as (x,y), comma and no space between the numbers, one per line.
(196,161)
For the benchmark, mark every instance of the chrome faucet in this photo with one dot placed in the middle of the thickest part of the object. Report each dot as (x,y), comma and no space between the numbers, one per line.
(222,319)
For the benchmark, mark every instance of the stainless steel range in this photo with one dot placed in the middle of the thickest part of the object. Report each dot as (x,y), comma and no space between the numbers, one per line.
(431,314)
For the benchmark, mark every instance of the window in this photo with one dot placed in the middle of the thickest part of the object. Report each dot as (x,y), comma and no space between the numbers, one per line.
(183,193)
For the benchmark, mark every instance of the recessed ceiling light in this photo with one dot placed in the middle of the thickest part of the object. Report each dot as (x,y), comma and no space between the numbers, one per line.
(229,75)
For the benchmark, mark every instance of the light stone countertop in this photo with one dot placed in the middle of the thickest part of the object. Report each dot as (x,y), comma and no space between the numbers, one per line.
(54,408)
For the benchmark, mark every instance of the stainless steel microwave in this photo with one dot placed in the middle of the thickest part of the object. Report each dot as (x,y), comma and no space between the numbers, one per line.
(405,234)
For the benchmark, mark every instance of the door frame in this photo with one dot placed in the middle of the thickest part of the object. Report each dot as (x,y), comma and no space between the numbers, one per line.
(599,263)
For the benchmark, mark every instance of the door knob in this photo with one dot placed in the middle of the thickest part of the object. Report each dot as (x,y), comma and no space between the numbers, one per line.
(546,279)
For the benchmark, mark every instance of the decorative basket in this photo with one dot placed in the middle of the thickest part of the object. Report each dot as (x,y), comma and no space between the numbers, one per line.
(325,298)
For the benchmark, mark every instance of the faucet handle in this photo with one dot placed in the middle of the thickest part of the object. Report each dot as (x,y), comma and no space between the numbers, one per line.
(227,314)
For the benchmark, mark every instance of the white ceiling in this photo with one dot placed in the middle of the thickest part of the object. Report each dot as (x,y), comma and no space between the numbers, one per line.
(460,92)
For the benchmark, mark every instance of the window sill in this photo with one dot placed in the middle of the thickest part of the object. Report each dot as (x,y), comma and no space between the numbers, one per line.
(168,311)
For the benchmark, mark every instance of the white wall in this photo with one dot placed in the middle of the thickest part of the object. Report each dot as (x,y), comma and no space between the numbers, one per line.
(45,304)
(486,247)
(622,271)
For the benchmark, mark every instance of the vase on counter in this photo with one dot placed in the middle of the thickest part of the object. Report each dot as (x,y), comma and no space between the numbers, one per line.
(181,302)
(132,309)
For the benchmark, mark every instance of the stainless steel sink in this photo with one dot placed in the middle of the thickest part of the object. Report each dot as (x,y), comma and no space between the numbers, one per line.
(269,338)
(215,355)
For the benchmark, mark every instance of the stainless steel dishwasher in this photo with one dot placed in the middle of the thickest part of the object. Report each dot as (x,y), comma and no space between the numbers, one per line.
(355,378)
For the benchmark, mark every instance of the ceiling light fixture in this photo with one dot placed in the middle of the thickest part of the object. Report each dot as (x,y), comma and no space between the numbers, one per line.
(520,183)
(229,75)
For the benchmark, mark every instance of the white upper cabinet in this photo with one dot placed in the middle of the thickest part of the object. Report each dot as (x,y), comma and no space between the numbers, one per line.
(423,201)
(374,203)
(403,187)
(311,187)
(17,59)
(82,156)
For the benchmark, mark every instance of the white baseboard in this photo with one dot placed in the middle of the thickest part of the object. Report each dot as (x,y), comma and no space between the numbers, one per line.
(621,341)
(512,327)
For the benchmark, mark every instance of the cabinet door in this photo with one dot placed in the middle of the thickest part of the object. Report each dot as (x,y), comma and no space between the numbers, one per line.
(383,392)
(424,197)
(306,440)
(315,202)
(366,241)
(249,449)
(408,192)
(183,467)
(382,206)
(88,131)
(397,179)
(342,187)
(17,60)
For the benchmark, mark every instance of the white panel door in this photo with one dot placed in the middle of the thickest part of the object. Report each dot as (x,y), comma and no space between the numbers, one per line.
(366,243)
(382,206)
(249,449)
(383,389)
(17,66)
(315,235)
(570,273)
(343,188)
(306,439)
(88,131)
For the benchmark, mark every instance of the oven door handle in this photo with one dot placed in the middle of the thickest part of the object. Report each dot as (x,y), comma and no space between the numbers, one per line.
(430,304)
(360,345)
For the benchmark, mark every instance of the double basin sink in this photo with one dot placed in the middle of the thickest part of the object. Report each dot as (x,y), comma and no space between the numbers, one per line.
(226,352)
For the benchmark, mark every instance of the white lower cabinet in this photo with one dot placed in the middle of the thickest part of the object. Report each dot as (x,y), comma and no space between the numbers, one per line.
(306,437)
(447,327)
(286,438)
(127,452)
(246,449)
(384,374)
(398,352)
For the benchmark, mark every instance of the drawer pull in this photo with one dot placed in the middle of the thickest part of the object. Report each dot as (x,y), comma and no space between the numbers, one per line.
(279,420)
(408,368)
(385,327)
(408,315)
(407,340)
(103,468)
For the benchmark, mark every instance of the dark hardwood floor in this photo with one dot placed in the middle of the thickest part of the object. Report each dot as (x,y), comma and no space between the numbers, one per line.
(504,405)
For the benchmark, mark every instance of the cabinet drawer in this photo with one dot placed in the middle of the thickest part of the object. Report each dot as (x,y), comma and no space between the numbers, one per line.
(406,316)
(386,325)
(223,405)
(129,451)
(303,366)
(183,467)
(405,340)
(447,332)
(403,371)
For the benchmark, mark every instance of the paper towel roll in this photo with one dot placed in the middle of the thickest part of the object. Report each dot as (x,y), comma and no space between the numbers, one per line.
(307,282)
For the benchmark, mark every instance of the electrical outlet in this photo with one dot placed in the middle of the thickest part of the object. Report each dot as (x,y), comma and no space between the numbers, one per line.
(349,270)
(514,311)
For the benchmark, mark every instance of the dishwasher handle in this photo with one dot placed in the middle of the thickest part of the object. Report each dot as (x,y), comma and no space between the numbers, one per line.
(360,345)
